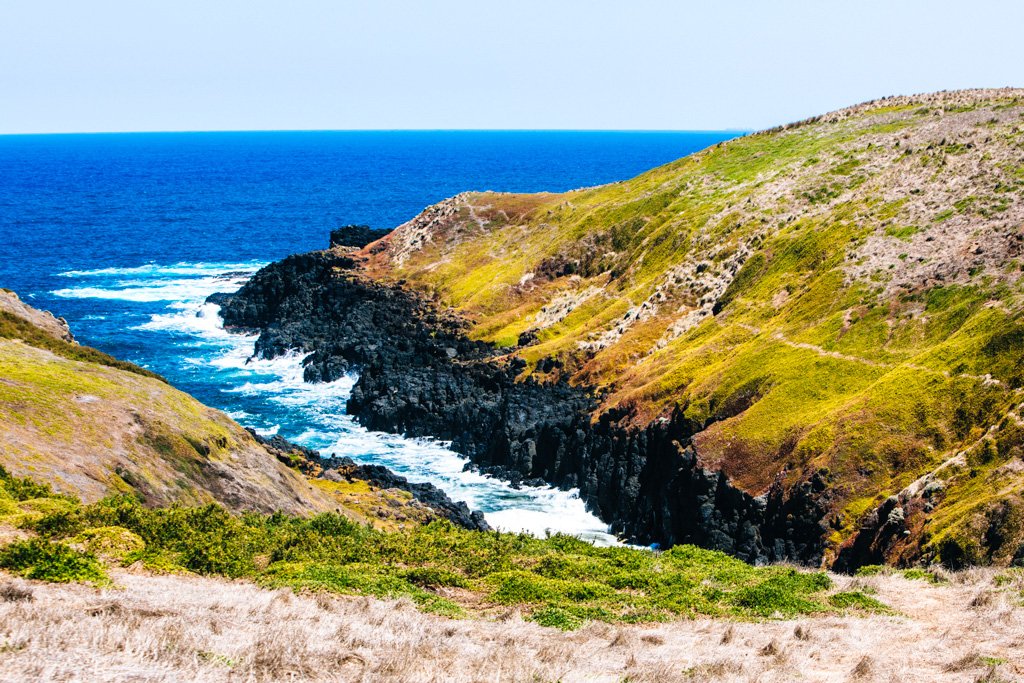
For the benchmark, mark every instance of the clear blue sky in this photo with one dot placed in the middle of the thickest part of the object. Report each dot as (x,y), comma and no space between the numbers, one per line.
(107,65)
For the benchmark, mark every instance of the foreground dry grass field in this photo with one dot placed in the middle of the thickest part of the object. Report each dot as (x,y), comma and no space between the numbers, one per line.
(183,628)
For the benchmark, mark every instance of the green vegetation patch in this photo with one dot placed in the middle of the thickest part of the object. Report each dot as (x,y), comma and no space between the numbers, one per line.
(858,600)
(559,581)
(110,542)
(913,573)
(45,560)
(20,488)
(903,232)
(15,327)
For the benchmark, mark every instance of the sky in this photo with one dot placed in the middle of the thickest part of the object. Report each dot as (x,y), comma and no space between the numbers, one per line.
(106,65)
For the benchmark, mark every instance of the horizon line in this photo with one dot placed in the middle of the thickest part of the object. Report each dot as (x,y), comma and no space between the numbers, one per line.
(384,130)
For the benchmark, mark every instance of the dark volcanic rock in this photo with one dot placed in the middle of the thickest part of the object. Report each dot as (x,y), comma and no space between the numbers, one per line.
(420,376)
(428,494)
(357,236)
(316,303)
(314,464)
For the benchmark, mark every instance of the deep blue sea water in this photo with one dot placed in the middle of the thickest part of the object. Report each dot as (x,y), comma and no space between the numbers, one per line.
(125,235)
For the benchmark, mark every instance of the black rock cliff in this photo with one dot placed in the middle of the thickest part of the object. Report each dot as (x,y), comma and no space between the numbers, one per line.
(420,375)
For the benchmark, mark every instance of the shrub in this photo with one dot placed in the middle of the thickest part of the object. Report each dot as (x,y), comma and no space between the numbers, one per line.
(519,587)
(784,594)
(918,574)
(22,488)
(56,524)
(111,542)
(556,617)
(48,561)
(870,570)
(58,511)
(434,577)
(857,600)
(8,506)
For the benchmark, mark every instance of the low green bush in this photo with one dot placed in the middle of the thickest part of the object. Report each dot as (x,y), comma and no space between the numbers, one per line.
(44,560)
(557,617)
(434,577)
(110,542)
(870,570)
(785,594)
(20,488)
(857,600)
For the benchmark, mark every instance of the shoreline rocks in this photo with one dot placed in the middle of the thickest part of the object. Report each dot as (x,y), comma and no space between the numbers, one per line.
(312,463)
(419,375)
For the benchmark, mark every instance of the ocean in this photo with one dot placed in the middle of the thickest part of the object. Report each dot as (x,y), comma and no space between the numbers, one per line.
(125,235)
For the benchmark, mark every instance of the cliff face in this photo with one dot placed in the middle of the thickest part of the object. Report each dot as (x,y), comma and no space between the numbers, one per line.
(90,425)
(802,343)
(421,376)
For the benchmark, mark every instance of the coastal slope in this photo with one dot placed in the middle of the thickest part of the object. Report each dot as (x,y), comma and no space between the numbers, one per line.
(90,425)
(805,343)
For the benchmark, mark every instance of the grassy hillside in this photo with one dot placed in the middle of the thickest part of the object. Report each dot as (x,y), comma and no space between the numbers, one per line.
(90,425)
(842,296)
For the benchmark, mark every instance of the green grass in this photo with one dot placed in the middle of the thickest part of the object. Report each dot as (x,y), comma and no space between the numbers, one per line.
(903,232)
(15,327)
(858,600)
(913,573)
(558,581)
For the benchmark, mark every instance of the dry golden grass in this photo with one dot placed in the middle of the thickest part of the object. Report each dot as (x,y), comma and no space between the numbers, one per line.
(185,628)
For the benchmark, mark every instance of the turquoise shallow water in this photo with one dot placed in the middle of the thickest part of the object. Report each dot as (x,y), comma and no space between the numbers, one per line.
(126,235)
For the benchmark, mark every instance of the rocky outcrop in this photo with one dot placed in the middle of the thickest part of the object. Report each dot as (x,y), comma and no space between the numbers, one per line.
(355,236)
(43,320)
(421,376)
(313,464)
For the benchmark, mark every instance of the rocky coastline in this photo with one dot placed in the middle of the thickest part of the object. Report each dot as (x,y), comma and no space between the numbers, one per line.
(419,375)
(332,468)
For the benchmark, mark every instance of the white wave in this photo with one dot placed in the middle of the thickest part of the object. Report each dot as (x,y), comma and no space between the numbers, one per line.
(180,291)
(181,285)
(571,519)
(268,431)
(183,268)
(198,319)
